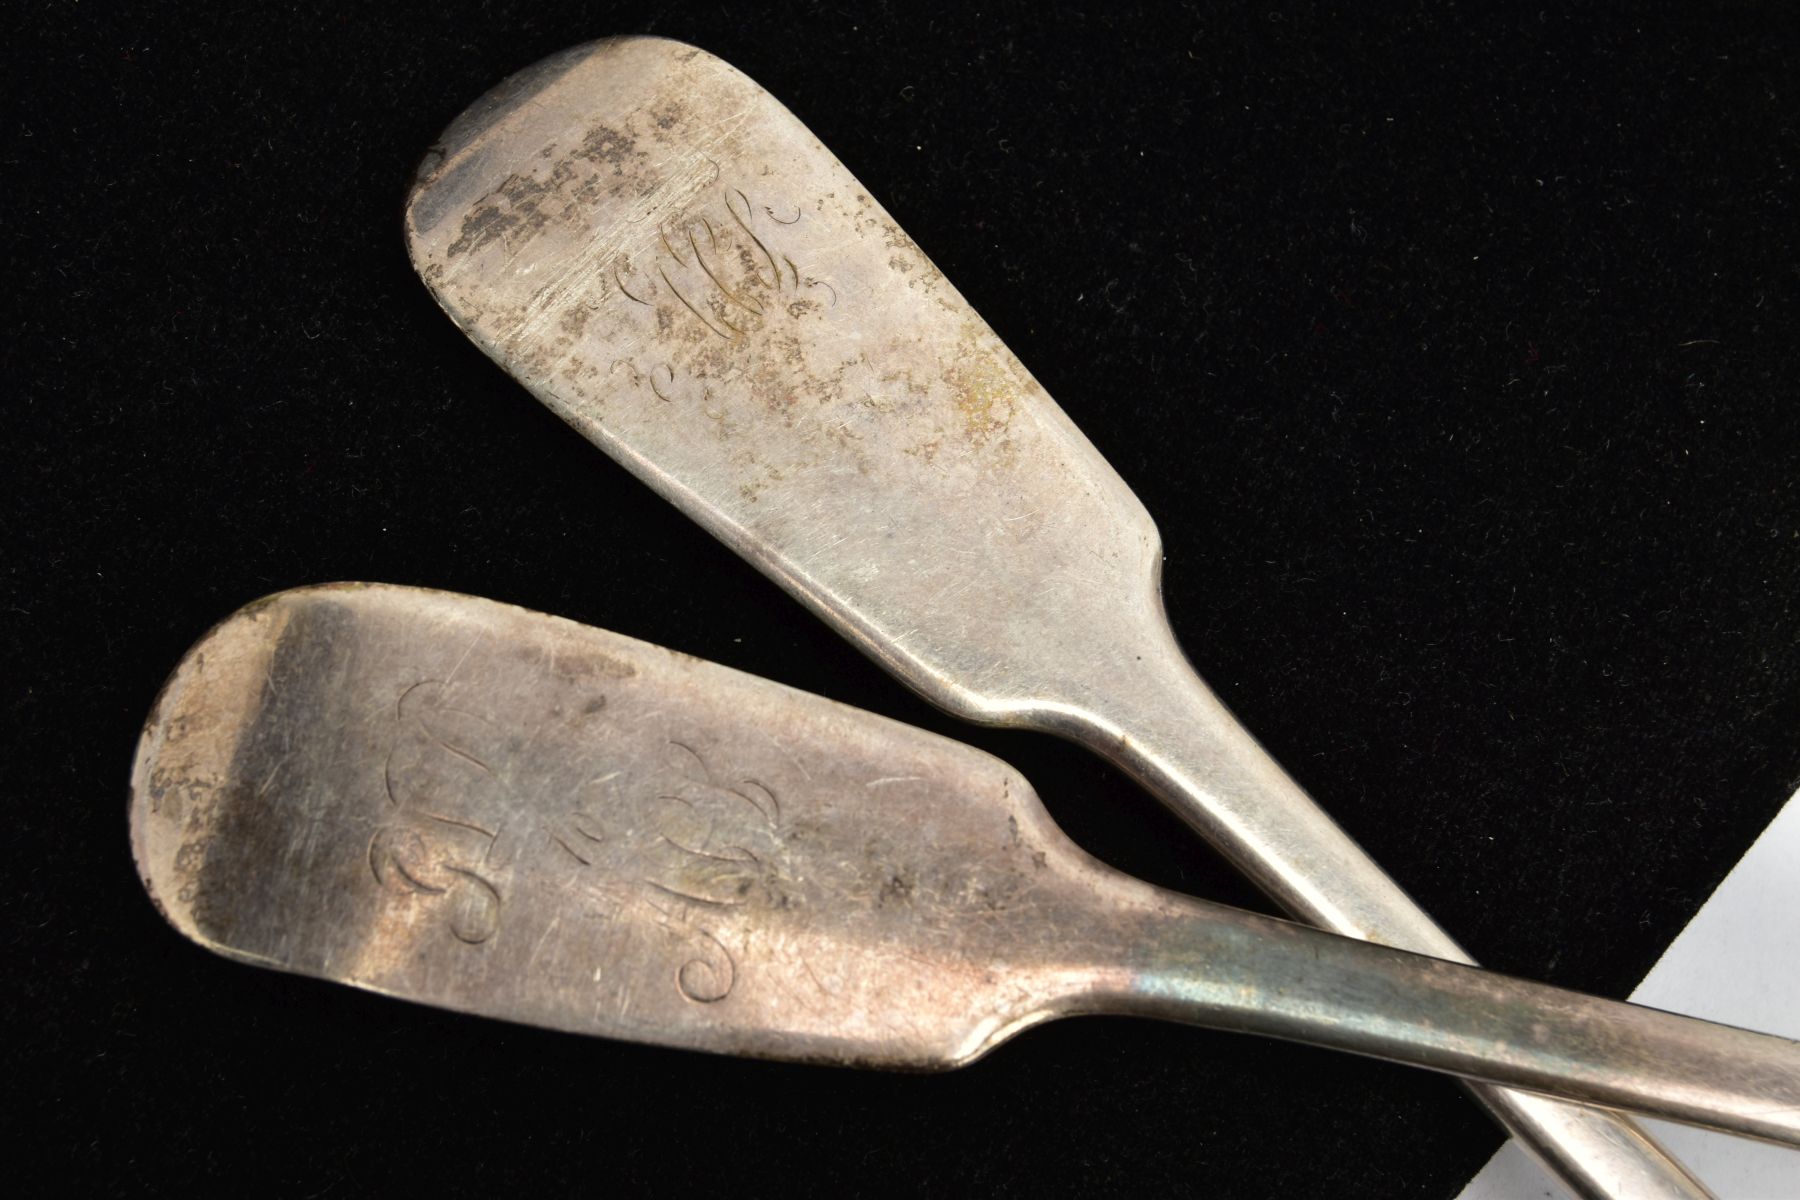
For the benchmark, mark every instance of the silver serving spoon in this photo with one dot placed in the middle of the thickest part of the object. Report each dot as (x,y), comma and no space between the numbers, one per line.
(473,806)
(667,258)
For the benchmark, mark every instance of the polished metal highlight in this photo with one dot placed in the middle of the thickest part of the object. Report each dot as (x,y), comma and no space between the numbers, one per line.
(672,262)
(474,806)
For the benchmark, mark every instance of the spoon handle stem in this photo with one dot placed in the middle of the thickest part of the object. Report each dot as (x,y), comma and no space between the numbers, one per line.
(1258,975)
(1158,721)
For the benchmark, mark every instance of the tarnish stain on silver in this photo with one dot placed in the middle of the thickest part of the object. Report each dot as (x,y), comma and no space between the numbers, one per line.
(494,811)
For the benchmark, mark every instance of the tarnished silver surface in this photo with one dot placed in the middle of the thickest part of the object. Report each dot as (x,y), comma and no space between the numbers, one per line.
(668,259)
(470,805)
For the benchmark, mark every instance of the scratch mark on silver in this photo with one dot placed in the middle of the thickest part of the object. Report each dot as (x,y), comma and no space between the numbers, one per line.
(544,940)
(489,852)
(813,975)
(473,642)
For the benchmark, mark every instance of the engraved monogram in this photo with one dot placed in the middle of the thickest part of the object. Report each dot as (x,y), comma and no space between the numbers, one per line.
(715,264)
(667,851)
(711,279)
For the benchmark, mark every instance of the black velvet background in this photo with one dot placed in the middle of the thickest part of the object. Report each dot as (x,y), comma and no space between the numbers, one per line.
(1454,354)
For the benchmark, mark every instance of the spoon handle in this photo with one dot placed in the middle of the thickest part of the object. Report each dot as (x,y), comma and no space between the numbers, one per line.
(1223,969)
(1157,720)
